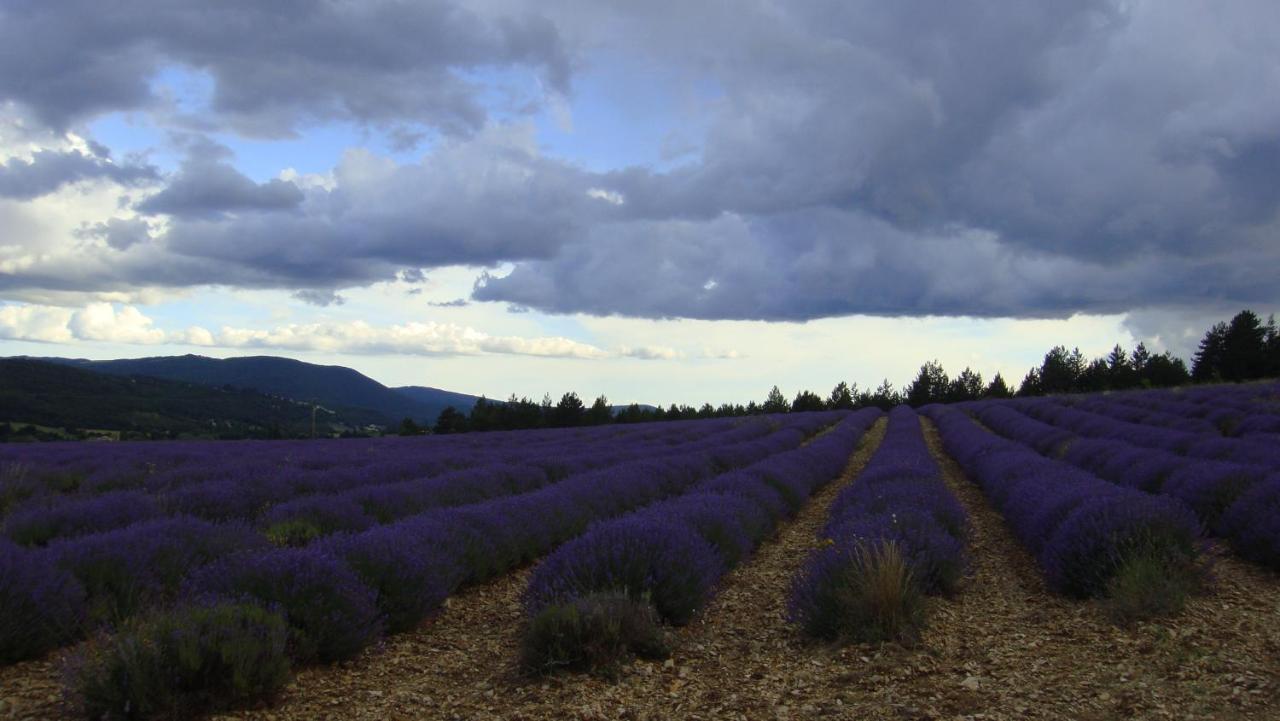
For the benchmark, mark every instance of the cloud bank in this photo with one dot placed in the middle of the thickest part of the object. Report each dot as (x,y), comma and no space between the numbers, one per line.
(124,324)
(995,159)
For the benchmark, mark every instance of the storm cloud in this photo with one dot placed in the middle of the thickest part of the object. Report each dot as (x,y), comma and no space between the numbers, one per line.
(49,170)
(274,66)
(1020,159)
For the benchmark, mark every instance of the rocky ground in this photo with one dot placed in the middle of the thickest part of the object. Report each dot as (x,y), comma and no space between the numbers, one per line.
(1002,648)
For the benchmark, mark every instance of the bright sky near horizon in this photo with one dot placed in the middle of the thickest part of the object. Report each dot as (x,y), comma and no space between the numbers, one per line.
(659,202)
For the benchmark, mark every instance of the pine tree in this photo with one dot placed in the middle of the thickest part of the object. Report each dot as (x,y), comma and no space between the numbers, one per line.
(930,385)
(841,397)
(997,388)
(776,402)
(1207,364)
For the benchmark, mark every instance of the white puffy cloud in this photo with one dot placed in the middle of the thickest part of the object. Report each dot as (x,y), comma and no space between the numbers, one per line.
(125,324)
(102,322)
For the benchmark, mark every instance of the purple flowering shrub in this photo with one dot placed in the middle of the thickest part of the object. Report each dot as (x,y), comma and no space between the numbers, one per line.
(862,591)
(938,560)
(1103,534)
(302,520)
(1210,487)
(41,606)
(131,569)
(411,566)
(733,525)
(183,663)
(1252,522)
(1091,538)
(665,563)
(38,522)
(331,614)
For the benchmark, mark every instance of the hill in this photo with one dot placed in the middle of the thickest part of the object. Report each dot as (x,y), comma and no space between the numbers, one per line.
(62,396)
(350,392)
(438,398)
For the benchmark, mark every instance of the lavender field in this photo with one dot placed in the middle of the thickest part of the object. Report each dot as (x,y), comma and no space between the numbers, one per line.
(171,579)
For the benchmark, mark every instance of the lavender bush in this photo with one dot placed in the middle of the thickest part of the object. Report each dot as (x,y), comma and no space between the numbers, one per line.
(182,663)
(1084,531)
(332,615)
(38,522)
(665,563)
(131,569)
(41,606)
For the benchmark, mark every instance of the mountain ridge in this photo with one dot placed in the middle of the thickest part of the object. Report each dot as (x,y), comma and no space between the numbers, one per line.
(332,386)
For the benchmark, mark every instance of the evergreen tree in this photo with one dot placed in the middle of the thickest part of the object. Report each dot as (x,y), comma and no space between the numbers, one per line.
(1031,384)
(600,412)
(450,420)
(631,414)
(884,397)
(807,401)
(1140,358)
(997,388)
(569,412)
(1273,347)
(965,387)
(930,385)
(1165,371)
(841,398)
(546,410)
(776,402)
(484,415)
(1095,377)
(1244,348)
(1207,364)
(1061,370)
(1120,369)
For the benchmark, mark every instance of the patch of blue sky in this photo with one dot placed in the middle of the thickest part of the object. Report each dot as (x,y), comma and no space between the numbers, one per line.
(184,105)
(565,326)
(625,112)
(213,308)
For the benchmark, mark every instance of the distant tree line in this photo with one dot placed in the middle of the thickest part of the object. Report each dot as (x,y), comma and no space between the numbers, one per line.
(1242,349)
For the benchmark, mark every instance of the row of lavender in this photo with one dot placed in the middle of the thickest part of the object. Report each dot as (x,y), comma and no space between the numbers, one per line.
(1250,411)
(1237,501)
(1207,444)
(339,594)
(1090,537)
(313,466)
(296,507)
(899,505)
(600,596)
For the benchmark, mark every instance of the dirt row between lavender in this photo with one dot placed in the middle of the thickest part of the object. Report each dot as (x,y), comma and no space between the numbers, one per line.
(1003,648)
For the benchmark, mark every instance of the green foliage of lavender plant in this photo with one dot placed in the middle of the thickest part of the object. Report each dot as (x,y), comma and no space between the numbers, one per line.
(183,662)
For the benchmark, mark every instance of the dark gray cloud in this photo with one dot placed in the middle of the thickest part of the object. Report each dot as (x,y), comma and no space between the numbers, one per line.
(49,170)
(815,264)
(209,188)
(119,233)
(992,158)
(319,297)
(274,65)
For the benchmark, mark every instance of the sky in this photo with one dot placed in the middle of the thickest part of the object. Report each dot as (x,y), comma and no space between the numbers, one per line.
(659,202)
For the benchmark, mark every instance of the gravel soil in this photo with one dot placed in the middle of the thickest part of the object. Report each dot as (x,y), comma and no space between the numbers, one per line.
(1002,648)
